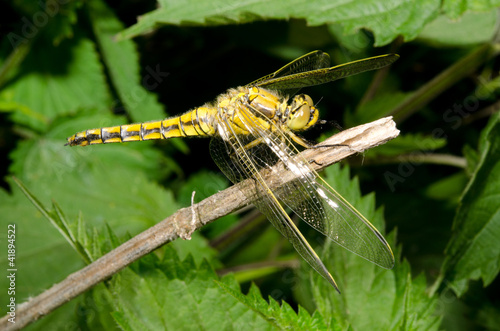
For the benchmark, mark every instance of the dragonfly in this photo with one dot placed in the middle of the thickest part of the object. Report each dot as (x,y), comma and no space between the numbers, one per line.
(254,127)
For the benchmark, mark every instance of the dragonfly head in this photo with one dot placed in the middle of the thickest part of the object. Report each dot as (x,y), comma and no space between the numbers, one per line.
(302,114)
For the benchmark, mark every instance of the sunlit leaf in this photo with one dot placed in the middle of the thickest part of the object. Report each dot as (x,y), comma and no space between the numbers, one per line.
(122,61)
(387,20)
(175,294)
(456,8)
(58,80)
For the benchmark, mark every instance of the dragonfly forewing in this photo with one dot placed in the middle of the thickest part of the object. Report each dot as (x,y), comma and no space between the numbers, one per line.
(326,75)
(311,61)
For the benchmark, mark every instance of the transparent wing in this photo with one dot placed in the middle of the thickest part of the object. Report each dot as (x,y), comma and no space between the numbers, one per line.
(239,163)
(303,78)
(302,190)
(310,61)
(318,204)
(329,213)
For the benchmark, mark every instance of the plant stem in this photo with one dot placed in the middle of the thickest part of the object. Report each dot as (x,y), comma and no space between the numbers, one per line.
(443,81)
(430,158)
(13,61)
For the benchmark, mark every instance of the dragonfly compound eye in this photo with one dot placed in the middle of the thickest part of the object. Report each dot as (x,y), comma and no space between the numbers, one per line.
(303,114)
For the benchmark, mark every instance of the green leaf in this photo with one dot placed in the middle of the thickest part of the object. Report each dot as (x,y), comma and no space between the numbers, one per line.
(175,294)
(122,61)
(204,184)
(55,81)
(448,188)
(472,157)
(471,28)
(454,8)
(283,317)
(407,143)
(54,20)
(372,297)
(105,185)
(38,267)
(59,221)
(387,20)
(474,250)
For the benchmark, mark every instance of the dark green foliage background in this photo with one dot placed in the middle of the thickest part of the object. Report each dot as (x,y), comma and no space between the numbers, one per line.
(67,67)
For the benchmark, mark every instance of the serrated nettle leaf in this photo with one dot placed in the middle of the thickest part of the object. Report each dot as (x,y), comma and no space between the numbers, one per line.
(148,296)
(386,19)
(32,281)
(39,246)
(122,62)
(152,299)
(474,250)
(55,81)
(282,316)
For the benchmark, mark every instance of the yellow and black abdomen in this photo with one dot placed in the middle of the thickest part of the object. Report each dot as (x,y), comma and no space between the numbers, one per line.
(198,122)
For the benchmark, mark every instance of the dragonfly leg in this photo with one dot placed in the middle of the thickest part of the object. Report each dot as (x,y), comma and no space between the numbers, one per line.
(331,145)
(253,143)
(317,163)
(326,146)
(299,140)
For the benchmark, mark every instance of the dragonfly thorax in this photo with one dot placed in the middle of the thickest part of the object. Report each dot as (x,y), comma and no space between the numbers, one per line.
(266,103)
(299,115)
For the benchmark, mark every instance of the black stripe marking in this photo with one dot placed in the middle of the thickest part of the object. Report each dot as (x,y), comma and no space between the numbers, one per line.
(195,123)
(105,135)
(170,128)
(80,140)
(130,134)
(92,136)
(153,130)
(181,127)
(198,121)
(162,130)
